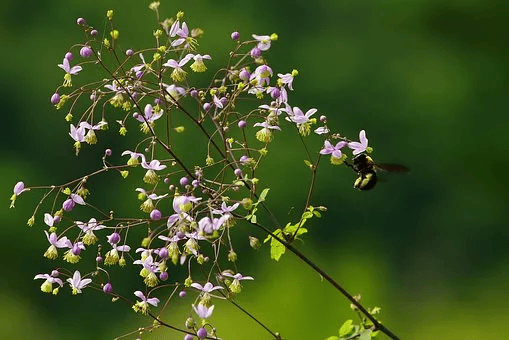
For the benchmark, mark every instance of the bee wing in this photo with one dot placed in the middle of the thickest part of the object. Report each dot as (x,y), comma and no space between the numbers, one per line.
(392,167)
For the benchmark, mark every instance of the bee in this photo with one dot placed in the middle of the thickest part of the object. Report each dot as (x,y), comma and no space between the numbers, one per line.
(366,169)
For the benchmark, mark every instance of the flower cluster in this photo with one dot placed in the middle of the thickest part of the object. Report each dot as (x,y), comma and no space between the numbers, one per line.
(187,211)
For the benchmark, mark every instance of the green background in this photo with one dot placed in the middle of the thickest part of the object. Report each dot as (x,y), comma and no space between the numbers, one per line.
(423,78)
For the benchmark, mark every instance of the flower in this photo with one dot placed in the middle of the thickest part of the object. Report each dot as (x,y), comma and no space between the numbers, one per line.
(207,288)
(334,151)
(133,160)
(88,229)
(359,147)
(235,286)
(137,69)
(262,75)
(297,116)
(148,118)
(202,310)
(47,286)
(55,243)
(77,283)
(174,92)
(150,268)
(198,65)
(19,188)
(182,32)
(143,305)
(265,135)
(178,74)
(286,79)
(263,41)
(150,176)
(322,130)
(69,71)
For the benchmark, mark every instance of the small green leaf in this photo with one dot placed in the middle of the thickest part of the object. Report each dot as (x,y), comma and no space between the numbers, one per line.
(332,338)
(365,335)
(346,328)
(307,215)
(277,249)
(317,213)
(308,163)
(263,194)
(253,219)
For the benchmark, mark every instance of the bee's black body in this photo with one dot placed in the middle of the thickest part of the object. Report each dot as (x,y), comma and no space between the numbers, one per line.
(366,169)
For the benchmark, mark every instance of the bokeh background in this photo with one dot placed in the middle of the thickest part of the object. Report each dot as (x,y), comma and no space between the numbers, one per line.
(427,80)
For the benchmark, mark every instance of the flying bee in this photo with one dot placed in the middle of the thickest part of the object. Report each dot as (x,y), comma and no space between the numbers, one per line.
(366,169)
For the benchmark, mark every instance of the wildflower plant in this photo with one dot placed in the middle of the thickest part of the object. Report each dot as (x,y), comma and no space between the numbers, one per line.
(189,210)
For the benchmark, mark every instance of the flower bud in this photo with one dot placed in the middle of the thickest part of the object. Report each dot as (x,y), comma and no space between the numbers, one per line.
(235,35)
(206,106)
(68,205)
(107,152)
(76,250)
(238,173)
(68,56)
(202,333)
(107,288)
(155,214)
(184,181)
(55,98)
(93,33)
(81,21)
(114,238)
(255,52)
(129,52)
(254,242)
(182,294)
(85,52)
(163,276)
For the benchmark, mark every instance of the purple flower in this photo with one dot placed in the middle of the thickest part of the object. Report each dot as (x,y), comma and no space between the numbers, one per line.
(235,286)
(334,151)
(66,66)
(134,157)
(202,310)
(286,79)
(321,130)
(198,65)
(225,209)
(76,283)
(178,74)
(150,269)
(207,288)
(359,147)
(47,285)
(78,134)
(19,188)
(263,41)
(297,116)
(183,33)
(55,243)
(201,333)
(235,35)
(262,74)
(175,91)
(143,305)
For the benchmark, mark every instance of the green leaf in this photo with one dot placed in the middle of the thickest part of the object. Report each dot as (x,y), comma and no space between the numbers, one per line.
(365,335)
(317,213)
(277,249)
(263,194)
(307,215)
(346,328)
(308,163)
(253,219)
(332,338)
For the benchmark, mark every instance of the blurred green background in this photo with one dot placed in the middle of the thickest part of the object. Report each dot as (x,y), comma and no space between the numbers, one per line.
(425,79)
